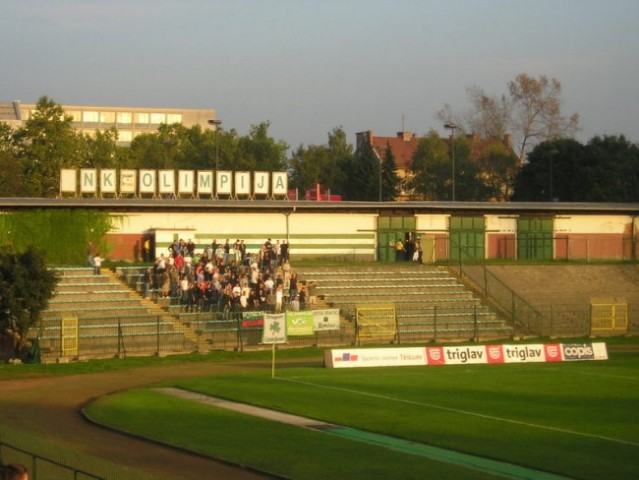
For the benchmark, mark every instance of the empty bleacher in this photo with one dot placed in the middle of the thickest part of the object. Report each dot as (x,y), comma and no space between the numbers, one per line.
(430,304)
(112,319)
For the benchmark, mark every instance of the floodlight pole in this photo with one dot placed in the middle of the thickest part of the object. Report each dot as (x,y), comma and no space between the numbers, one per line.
(452,127)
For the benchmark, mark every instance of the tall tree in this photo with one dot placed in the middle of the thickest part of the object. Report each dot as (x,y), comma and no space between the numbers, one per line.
(530,112)
(431,168)
(46,143)
(390,180)
(537,112)
(362,173)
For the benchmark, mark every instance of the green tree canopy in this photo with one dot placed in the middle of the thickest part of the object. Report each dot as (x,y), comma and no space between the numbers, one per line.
(26,285)
(606,169)
(390,180)
(363,175)
(323,164)
(46,143)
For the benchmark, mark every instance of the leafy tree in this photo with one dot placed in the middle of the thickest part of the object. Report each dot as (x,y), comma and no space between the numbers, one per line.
(103,150)
(613,170)
(259,151)
(362,172)
(606,169)
(46,143)
(323,164)
(390,180)
(556,170)
(499,169)
(10,167)
(431,168)
(26,285)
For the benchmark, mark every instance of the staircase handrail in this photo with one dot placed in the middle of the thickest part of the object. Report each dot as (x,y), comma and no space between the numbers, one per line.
(526,318)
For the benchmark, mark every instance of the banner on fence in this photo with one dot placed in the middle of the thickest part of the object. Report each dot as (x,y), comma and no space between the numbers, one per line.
(274,328)
(326,319)
(464,355)
(300,323)
(252,319)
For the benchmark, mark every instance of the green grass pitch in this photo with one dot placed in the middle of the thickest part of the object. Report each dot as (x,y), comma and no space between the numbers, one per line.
(577,420)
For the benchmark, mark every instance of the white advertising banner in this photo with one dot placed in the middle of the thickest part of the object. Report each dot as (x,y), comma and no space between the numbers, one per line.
(166,182)
(88,180)
(243,183)
(261,183)
(280,183)
(224,182)
(377,357)
(108,180)
(326,319)
(128,181)
(147,181)
(205,182)
(186,182)
(464,355)
(68,181)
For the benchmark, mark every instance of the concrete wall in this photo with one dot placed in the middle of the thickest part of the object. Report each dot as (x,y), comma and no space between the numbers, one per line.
(353,235)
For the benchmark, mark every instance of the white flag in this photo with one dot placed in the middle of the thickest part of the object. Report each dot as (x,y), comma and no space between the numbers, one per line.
(274,328)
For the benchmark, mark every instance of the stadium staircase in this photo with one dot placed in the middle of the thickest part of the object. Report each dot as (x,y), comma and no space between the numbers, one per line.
(112,319)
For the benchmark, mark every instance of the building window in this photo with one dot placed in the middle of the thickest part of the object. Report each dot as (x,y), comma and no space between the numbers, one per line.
(75,115)
(90,117)
(124,117)
(107,117)
(141,118)
(173,118)
(158,118)
(125,135)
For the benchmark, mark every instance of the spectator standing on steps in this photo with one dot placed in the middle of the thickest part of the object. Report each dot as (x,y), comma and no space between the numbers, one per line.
(97,264)
(399,250)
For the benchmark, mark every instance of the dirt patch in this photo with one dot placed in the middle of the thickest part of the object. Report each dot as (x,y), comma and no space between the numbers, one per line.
(50,409)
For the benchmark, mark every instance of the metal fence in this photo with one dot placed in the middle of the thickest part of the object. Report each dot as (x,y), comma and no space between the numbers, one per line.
(526,319)
(42,468)
(112,336)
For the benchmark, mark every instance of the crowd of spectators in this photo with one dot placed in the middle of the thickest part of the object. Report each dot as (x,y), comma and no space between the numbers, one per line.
(225,277)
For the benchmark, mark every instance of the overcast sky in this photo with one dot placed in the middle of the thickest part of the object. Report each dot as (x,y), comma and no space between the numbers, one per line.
(308,66)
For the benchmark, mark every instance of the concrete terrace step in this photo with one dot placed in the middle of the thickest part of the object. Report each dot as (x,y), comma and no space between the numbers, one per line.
(448,287)
(101,312)
(452,294)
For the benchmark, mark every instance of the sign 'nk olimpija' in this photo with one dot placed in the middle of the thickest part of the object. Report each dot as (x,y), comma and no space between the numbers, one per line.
(173,183)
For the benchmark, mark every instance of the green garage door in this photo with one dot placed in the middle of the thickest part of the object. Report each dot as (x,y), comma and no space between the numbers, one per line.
(534,238)
(467,238)
(389,230)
